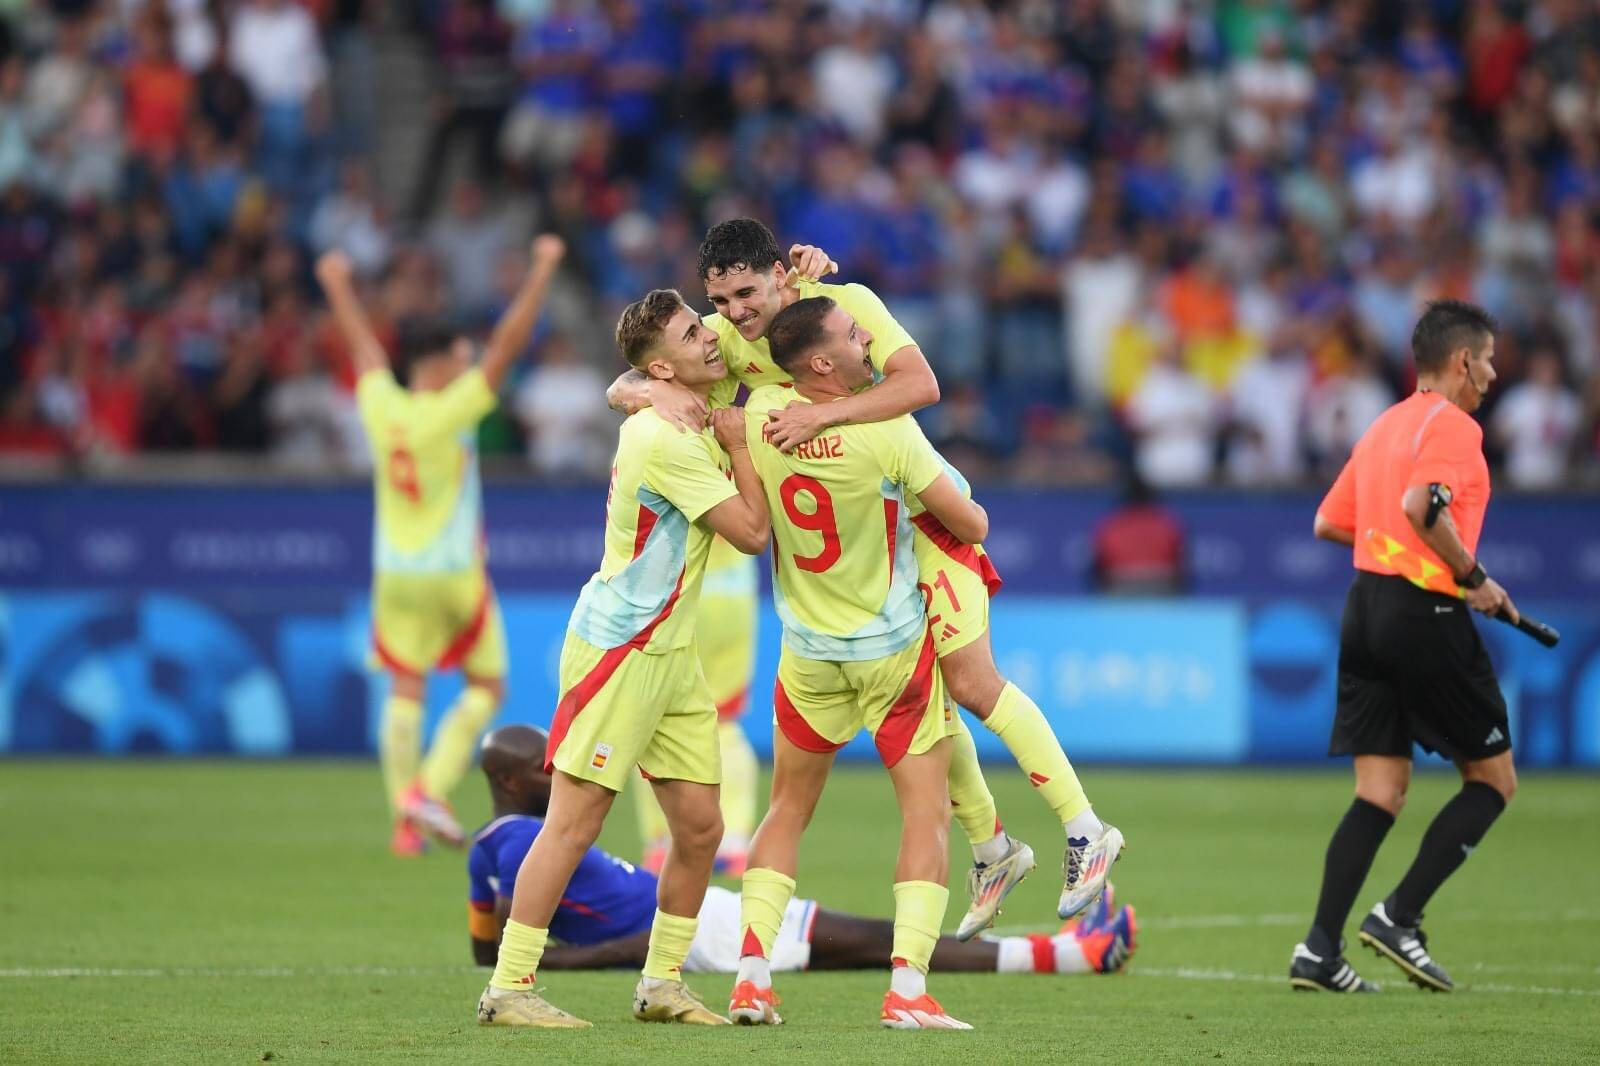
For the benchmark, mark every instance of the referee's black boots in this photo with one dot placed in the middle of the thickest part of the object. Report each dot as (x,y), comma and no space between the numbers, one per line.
(1310,972)
(1406,946)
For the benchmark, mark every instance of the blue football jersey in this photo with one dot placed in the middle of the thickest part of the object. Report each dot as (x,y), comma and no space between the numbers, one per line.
(606,898)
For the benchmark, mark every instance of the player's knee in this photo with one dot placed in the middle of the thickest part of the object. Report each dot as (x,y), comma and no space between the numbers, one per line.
(978,690)
(1502,777)
(790,814)
(1389,795)
(698,835)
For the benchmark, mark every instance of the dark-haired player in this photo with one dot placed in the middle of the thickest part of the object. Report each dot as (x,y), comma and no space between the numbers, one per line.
(433,607)
(1412,667)
(603,919)
(749,286)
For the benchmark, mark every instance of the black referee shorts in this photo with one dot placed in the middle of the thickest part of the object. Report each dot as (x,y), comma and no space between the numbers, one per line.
(1412,667)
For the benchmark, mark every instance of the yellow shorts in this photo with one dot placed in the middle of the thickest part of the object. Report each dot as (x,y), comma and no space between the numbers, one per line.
(819,705)
(426,622)
(725,633)
(956,580)
(622,708)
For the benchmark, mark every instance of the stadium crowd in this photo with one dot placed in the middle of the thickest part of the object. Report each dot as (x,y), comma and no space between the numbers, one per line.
(1184,234)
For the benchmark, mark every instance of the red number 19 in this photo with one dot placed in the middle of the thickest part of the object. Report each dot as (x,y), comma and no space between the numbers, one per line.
(819,520)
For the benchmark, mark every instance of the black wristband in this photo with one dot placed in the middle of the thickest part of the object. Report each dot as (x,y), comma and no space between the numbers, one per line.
(1474,578)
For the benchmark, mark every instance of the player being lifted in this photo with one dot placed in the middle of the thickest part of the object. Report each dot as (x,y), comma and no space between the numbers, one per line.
(857,651)
(632,692)
(433,607)
(749,286)
(603,919)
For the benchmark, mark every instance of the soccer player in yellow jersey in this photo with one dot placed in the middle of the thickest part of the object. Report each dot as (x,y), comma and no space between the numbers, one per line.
(857,651)
(749,286)
(632,691)
(725,636)
(433,607)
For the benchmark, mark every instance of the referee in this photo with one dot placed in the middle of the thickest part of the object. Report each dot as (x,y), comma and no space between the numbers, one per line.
(1412,667)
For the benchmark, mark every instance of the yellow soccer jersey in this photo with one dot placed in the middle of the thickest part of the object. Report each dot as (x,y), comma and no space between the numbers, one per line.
(648,586)
(750,362)
(425,472)
(844,573)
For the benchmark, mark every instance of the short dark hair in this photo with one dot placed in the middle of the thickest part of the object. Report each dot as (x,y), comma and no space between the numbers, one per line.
(643,322)
(421,337)
(1448,326)
(797,330)
(738,242)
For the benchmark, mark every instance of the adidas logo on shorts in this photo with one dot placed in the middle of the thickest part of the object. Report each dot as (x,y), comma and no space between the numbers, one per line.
(1495,736)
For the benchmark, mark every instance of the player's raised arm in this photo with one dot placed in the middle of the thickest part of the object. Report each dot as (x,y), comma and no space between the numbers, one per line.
(743,521)
(510,334)
(335,275)
(962,516)
(634,390)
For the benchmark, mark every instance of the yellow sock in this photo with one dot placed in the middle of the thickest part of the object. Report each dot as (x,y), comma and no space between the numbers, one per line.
(399,746)
(765,896)
(1019,723)
(670,937)
(741,775)
(652,820)
(970,798)
(521,948)
(918,913)
(456,739)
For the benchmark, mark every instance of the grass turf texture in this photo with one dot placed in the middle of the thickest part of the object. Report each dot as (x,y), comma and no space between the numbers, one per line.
(250,911)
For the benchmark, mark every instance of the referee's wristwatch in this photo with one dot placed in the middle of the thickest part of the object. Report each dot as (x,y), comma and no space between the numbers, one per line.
(1473,578)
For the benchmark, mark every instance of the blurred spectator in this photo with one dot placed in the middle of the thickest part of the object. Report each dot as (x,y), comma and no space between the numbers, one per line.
(965,431)
(1173,417)
(562,407)
(1139,548)
(274,46)
(1342,407)
(352,221)
(556,56)
(1537,423)
(157,91)
(1266,410)
(304,409)
(474,88)
(468,242)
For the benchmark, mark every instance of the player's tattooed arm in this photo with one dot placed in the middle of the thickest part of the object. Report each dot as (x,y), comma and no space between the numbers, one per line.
(337,279)
(962,516)
(742,521)
(908,385)
(624,952)
(634,390)
(510,336)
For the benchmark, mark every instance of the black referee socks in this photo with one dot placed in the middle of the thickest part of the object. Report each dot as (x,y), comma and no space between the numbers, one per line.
(1455,831)
(1350,855)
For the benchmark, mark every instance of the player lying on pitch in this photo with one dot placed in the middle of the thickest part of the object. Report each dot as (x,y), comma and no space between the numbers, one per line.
(603,919)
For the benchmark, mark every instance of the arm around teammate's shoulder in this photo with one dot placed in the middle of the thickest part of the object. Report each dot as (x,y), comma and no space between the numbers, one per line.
(964,517)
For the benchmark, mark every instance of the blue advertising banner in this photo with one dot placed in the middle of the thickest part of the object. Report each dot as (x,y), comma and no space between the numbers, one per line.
(235,621)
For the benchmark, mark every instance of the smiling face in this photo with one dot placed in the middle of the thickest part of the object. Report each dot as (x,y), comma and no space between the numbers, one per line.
(686,352)
(748,297)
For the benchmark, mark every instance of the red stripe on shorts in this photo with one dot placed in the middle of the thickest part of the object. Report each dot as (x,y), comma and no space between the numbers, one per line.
(388,658)
(965,554)
(899,726)
(795,728)
(589,685)
(468,638)
(731,708)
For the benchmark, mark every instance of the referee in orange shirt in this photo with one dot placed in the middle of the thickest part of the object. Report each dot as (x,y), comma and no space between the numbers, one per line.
(1412,667)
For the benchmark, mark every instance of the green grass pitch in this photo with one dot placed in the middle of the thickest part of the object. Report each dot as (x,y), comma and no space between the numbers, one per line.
(241,912)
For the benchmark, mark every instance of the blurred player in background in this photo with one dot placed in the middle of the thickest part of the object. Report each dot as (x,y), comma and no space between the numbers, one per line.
(632,691)
(433,607)
(725,637)
(857,652)
(748,285)
(603,919)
